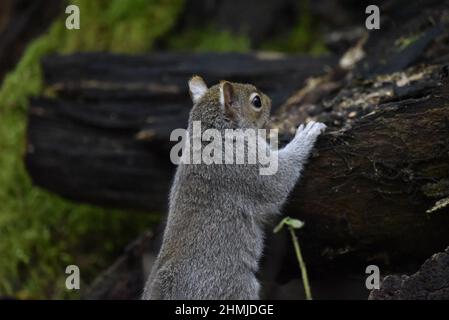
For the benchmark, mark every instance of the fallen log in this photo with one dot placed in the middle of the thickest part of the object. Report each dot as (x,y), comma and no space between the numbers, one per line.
(362,194)
(105,139)
(365,191)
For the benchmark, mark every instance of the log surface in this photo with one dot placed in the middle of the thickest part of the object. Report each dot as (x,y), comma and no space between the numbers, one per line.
(363,188)
(430,282)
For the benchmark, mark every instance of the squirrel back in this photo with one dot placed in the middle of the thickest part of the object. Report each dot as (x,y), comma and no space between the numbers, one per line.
(213,239)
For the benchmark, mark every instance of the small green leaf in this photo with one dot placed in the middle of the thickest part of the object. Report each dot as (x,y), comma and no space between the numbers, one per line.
(289,222)
(294,223)
(297,224)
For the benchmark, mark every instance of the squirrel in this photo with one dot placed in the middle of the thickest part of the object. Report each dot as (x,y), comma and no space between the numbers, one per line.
(213,238)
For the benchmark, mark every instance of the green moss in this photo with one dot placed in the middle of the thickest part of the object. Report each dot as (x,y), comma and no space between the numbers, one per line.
(209,39)
(40,233)
(119,26)
(106,25)
(304,37)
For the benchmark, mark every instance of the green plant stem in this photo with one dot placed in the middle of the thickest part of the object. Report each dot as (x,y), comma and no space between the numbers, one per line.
(302,264)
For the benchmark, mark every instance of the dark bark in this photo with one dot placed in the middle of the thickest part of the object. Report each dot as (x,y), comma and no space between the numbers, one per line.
(363,192)
(20,22)
(125,277)
(430,282)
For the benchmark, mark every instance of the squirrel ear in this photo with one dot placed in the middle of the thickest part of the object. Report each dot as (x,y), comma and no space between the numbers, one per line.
(197,88)
(227,98)
(226,94)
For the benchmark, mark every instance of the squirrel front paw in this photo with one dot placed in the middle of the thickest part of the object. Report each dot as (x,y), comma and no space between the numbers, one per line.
(311,131)
(305,138)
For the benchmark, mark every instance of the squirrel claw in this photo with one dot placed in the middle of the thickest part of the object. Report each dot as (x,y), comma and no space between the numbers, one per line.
(311,129)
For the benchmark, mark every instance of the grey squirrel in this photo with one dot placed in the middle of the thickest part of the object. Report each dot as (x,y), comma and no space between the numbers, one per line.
(213,238)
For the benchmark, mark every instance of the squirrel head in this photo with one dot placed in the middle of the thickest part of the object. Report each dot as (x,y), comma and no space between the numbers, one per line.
(240,105)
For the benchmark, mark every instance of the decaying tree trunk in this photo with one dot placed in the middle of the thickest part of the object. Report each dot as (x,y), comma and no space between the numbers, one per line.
(367,177)
(106,138)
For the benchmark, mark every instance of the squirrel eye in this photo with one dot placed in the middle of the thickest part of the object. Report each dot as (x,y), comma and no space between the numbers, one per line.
(256,102)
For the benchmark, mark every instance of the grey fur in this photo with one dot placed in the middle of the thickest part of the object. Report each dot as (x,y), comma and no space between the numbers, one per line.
(213,239)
